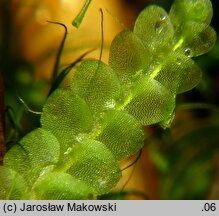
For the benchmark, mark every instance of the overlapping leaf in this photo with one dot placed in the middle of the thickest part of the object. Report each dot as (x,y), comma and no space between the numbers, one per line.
(61,186)
(150,102)
(187,15)
(154,28)
(183,11)
(12,185)
(199,43)
(97,84)
(179,73)
(122,134)
(35,151)
(128,56)
(93,163)
(65,114)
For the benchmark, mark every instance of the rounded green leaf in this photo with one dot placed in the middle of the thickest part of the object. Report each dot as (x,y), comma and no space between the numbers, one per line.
(97,84)
(93,163)
(12,185)
(128,56)
(150,102)
(183,11)
(154,27)
(200,40)
(191,76)
(61,186)
(179,73)
(122,134)
(65,114)
(36,150)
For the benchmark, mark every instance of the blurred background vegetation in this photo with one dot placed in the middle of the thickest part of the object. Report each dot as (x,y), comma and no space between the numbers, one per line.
(181,162)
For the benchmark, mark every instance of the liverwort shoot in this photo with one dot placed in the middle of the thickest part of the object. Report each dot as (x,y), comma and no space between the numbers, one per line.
(87,128)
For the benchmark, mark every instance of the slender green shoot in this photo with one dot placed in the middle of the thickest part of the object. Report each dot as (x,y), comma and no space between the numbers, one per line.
(78,19)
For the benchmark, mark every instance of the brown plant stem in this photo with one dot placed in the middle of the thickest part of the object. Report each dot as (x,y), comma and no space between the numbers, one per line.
(2,117)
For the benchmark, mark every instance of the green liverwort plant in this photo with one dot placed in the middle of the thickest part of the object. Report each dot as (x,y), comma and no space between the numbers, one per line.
(96,122)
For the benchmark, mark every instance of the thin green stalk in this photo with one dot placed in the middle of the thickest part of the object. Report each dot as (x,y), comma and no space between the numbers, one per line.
(58,57)
(77,21)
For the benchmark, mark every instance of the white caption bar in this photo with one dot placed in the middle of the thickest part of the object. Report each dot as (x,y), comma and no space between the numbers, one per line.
(111,207)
